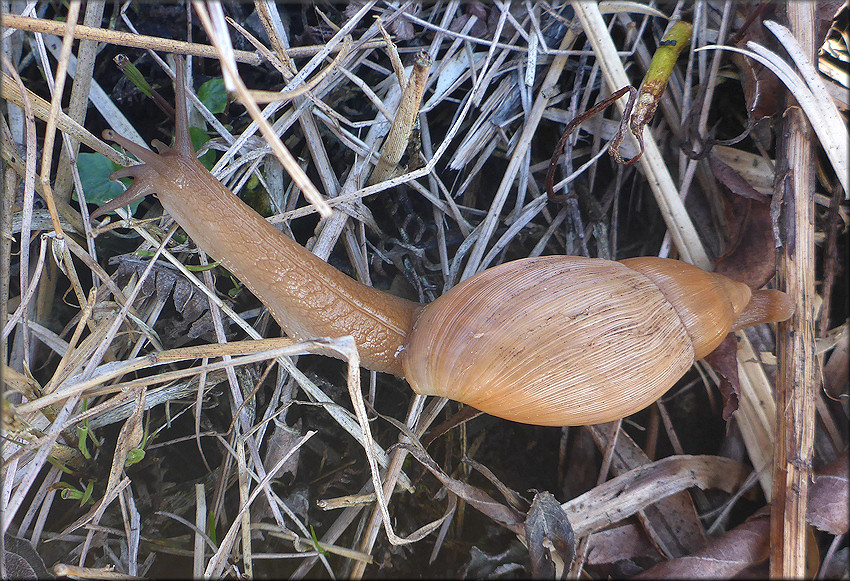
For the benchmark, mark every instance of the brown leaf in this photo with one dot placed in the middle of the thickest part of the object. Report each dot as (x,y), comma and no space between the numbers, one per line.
(21,561)
(761,87)
(828,505)
(620,543)
(837,368)
(750,256)
(722,557)
(671,522)
(736,183)
(281,440)
(165,282)
(757,170)
(724,360)
(549,537)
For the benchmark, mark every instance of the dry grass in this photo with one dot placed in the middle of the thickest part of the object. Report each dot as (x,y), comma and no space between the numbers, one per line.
(243,440)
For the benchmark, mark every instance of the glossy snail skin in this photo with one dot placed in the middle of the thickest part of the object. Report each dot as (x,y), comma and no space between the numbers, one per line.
(555,340)
(306,296)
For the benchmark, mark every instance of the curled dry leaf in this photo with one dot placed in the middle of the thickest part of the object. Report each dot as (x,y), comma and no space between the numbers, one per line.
(750,256)
(624,495)
(828,497)
(164,281)
(671,522)
(549,535)
(483,565)
(724,360)
(722,557)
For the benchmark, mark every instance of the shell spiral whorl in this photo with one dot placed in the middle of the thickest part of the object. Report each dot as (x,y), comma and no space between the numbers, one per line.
(585,331)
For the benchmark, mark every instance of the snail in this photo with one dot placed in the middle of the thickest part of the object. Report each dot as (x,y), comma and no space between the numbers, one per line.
(553,340)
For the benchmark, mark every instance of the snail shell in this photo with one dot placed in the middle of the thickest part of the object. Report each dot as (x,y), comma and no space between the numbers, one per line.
(557,340)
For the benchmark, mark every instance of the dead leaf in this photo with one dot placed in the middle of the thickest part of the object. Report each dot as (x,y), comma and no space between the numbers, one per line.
(21,561)
(551,544)
(751,255)
(482,565)
(736,183)
(164,281)
(480,12)
(761,87)
(671,522)
(281,441)
(837,369)
(757,170)
(621,543)
(724,360)
(723,557)
(828,497)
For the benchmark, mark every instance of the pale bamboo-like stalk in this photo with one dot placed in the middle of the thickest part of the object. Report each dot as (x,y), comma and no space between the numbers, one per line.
(201,527)
(795,380)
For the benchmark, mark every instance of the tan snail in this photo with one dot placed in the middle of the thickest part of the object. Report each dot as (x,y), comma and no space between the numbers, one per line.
(555,340)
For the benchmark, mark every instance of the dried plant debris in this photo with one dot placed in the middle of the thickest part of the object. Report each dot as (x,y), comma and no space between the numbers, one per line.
(724,361)
(21,561)
(163,283)
(165,429)
(827,497)
(724,557)
(551,543)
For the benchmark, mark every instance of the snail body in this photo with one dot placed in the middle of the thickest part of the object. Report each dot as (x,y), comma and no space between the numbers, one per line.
(554,340)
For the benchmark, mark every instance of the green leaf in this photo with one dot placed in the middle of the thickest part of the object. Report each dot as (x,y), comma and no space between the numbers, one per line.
(213,95)
(59,465)
(199,138)
(68,491)
(211,527)
(94,176)
(316,542)
(82,432)
(134,456)
(86,497)
(134,74)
